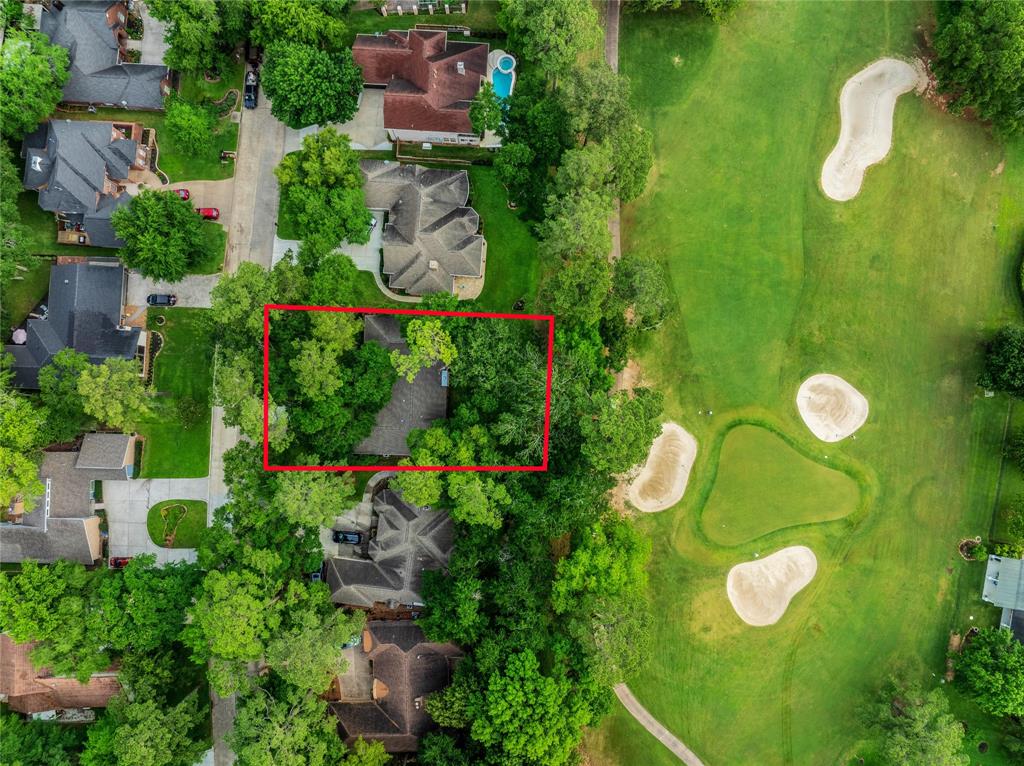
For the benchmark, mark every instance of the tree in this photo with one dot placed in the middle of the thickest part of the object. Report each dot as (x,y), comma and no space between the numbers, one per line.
(1004,361)
(485,111)
(37,743)
(307,654)
(13,234)
(619,434)
(22,431)
(145,733)
(992,667)
(429,343)
(717,10)
(316,24)
(550,35)
(367,754)
(189,126)
(309,86)
(292,728)
(576,291)
(192,25)
(313,499)
(32,77)
(58,388)
(980,60)
(162,235)
(917,728)
(641,282)
(113,393)
(440,749)
(596,100)
(514,166)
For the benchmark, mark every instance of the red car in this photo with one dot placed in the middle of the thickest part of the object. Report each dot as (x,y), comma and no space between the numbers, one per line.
(183,193)
(119,562)
(209,213)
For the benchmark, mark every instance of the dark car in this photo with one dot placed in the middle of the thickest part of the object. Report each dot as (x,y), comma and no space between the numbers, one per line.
(119,562)
(340,536)
(209,213)
(183,193)
(161,299)
(252,90)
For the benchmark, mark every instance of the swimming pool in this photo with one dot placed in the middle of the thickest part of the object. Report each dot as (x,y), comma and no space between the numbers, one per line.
(502,82)
(502,68)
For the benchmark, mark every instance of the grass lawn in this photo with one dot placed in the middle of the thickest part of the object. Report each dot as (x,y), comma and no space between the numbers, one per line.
(21,295)
(216,239)
(786,490)
(894,291)
(195,88)
(183,368)
(184,519)
(42,230)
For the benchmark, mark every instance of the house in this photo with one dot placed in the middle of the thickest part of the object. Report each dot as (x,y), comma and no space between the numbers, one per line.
(1004,587)
(93,31)
(30,690)
(430,239)
(412,406)
(80,169)
(404,668)
(84,311)
(63,525)
(404,541)
(429,83)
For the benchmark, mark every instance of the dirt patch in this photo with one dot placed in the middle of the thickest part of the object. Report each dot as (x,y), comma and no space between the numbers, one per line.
(999,168)
(628,378)
(662,479)
(831,407)
(760,590)
(866,105)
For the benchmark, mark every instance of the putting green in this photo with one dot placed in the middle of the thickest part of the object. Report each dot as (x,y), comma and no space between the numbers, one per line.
(763,484)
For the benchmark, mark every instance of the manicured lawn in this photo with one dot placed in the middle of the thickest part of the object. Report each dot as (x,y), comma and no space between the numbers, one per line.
(194,87)
(786,490)
(182,369)
(894,291)
(21,295)
(216,239)
(441,151)
(181,520)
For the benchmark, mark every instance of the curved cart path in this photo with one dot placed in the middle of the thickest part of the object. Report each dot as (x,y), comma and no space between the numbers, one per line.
(649,722)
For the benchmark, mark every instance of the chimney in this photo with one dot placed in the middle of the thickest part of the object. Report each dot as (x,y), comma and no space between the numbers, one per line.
(432,265)
(460,67)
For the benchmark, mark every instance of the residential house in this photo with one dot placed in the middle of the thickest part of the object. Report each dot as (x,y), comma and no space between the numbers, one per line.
(386,572)
(93,31)
(84,310)
(412,405)
(1004,587)
(63,525)
(80,169)
(431,238)
(429,83)
(32,691)
(405,668)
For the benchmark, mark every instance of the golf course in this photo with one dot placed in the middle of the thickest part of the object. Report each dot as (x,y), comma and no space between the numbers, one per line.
(895,290)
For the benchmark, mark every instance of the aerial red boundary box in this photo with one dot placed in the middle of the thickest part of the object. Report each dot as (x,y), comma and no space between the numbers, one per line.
(268,307)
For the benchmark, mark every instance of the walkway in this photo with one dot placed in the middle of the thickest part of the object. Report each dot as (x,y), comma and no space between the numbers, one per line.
(663,735)
(152,46)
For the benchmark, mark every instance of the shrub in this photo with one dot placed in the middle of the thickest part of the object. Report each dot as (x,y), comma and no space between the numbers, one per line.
(190,126)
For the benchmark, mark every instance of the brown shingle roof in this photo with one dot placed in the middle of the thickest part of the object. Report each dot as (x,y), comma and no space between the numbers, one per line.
(29,690)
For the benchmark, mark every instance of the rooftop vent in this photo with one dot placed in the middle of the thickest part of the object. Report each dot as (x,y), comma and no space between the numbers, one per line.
(432,265)
(37,163)
(460,67)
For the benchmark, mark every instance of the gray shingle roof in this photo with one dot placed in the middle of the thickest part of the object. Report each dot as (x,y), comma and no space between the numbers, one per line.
(107,456)
(96,76)
(431,236)
(409,541)
(84,305)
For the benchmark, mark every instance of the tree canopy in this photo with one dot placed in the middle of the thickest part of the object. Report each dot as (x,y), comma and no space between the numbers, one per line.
(552,34)
(992,668)
(485,111)
(162,235)
(114,393)
(916,727)
(32,78)
(1004,361)
(310,86)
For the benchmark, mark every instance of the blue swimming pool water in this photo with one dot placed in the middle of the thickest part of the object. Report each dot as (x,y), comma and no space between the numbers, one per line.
(506,64)
(502,83)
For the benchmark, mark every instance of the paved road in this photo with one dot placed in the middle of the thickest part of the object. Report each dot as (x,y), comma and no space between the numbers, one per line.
(663,735)
(127,504)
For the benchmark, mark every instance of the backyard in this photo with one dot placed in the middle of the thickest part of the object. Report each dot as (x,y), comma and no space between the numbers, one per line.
(894,290)
(177,434)
(21,295)
(177,523)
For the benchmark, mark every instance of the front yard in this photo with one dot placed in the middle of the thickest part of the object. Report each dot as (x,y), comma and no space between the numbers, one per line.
(216,240)
(176,523)
(177,434)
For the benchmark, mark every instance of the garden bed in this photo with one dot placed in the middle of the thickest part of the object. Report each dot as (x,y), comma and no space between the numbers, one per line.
(177,523)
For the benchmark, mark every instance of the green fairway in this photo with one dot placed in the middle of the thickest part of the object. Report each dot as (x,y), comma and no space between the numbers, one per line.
(763,485)
(893,290)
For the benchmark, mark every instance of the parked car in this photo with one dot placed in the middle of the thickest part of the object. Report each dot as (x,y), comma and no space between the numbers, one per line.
(119,562)
(183,193)
(161,299)
(340,536)
(251,94)
(209,213)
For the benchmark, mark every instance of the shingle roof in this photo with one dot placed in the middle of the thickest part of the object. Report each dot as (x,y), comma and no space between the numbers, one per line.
(84,312)
(425,90)
(96,76)
(29,690)
(431,235)
(409,541)
(106,452)
(412,406)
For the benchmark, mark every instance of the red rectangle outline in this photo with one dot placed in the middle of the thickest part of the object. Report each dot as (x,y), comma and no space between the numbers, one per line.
(268,307)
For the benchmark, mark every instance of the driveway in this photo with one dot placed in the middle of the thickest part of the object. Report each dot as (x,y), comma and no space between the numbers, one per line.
(127,504)
(366,128)
(218,194)
(193,291)
(152,46)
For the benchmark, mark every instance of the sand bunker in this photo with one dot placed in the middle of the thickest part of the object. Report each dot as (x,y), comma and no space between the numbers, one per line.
(866,104)
(662,481)
(831,407)
(760,590)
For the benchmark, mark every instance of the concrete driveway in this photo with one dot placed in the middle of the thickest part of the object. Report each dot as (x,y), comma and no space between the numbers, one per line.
(127,504)
(218,194)
(193,291)
(366,128)
(152,46)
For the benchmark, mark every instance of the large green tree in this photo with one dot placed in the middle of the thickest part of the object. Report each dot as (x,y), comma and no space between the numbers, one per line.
(114,393)
(32,77)
(317,23)
(916,727)
(429,343)
(550,35)
(38,743)
(991,666)
(162,235)
(1004,361)
(22,432)
(485,111)
(144,732)
(58,388)
(14,254)
(189,126)
(980,59)
(310,86)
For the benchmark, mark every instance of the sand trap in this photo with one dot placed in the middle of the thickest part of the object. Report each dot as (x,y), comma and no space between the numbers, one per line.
(831,407)
(866,104)
(662,480)
(760,590)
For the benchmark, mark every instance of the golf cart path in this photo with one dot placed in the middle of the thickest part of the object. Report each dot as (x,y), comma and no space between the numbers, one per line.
(611,55)
(649,722)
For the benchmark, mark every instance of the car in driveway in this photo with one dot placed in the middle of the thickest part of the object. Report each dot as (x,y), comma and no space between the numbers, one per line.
(119,562)
(341,536)
(251,95)
(209,213)
(162,299)
(185,194)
